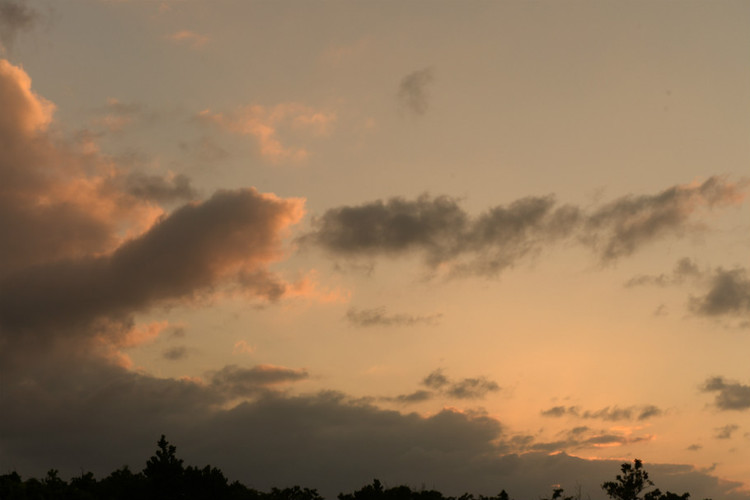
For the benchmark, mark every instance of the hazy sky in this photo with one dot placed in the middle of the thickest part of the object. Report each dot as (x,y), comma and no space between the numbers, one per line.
(469,245)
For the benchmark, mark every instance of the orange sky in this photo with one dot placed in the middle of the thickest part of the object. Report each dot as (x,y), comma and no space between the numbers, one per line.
(472,245)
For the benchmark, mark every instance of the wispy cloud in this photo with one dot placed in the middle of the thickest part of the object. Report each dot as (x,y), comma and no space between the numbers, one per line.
(725,432)
(190,38)
(380,317)
(450,238)
(264,124)
(608,413)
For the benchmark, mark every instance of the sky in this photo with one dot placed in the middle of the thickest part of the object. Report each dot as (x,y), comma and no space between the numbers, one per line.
(468,246)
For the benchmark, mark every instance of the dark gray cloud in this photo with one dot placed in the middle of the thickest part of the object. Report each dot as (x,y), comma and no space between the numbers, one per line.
(15,16)
(727,291)
(619,228)
(730,395)
(443,232)
(467,388)
(379,317)
(472,388)
(237,382)
(728,294)
(608,413)
(175,353)
(435,380)
(417,396)
(446,236)
(413,90)
(726,431)
(694,447)
(560,411)
(156,187)
(442,386)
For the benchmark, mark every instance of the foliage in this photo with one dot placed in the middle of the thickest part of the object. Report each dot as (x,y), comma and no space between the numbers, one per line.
(166,478)
(633,481)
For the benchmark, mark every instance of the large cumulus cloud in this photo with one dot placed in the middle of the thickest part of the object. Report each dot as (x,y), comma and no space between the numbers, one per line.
(87,245)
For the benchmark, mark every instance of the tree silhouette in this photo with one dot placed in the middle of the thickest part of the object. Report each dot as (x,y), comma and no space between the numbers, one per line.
(164,472)
(634,480)
(165,478)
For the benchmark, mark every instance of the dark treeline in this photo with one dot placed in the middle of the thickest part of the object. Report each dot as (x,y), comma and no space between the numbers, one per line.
(166,478)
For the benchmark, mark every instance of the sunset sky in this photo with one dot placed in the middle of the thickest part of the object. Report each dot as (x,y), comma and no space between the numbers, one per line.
(465,245)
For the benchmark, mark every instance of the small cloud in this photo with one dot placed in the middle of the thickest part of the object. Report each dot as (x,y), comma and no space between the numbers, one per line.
(190,38)
(685,268)
(413,90)
(235,381)
(116,115)
(415,397)
(242,347)
(607,413)
(728,294)
(619,228)
(472,388)
(730,395)
(156,187)
(435,380)
(178,332)
(379,317)
(560,411)
(175,353)
(694,447)
(726,431)
(468,388)
(15,17)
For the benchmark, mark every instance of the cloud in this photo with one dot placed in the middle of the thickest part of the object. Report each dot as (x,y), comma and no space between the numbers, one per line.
(441,386)
(730,395)
(619,228)
(413,90)
(559,411)
(379,317)
(414,397)
(728,294)
(442,231)
(88,243)
(236,382)
(583,437)
(450,239)
(15,17)
(726,431)
(607,413)
(685,268)
(472,388)
(435,380)
(188,252)
(190,38)
(117,115)
(175,353)
(157,188)
(77,415)
(468,388)
(265,123)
